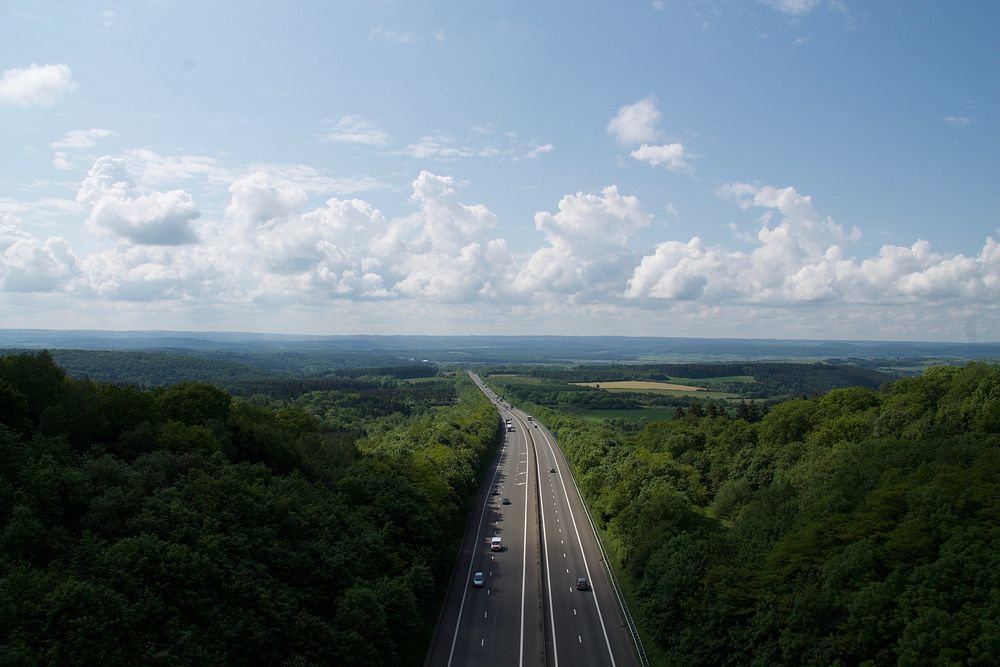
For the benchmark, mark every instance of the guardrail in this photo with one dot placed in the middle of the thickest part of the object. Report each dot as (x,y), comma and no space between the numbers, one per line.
(629,621)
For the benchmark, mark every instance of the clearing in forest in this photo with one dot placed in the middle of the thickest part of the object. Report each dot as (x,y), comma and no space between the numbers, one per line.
(639,385)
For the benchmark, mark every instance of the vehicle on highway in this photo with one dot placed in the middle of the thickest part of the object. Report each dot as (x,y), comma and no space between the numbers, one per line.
(478,580)
(582,584)
(495,544)
(506,501)
(496,492)
(552,469)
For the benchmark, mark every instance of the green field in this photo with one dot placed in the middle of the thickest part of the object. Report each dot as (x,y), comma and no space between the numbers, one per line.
(433,378)
(694,393)
(707,382)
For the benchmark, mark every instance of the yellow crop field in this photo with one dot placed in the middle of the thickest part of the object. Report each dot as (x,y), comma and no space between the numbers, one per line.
(639,385)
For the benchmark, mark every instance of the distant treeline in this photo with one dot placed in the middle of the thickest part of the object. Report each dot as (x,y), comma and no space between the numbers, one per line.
(770,379)
(157,369)
(855,528)
(178,526)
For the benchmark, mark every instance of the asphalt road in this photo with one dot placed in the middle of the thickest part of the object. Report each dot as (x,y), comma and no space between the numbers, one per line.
(529,612)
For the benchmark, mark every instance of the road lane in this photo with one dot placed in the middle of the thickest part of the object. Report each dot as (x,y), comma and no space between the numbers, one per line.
(498,624)
(531,613)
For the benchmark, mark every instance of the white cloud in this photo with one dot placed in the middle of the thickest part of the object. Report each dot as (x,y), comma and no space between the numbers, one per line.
(440,146)
(62,161)
(348,249)
(30,265)
(117,206)
(587,253)
(958,121)
(157,273)
(635,123)
(390,35)
(670,156)
(538,150)
(257,198)
(36,85)
(152,169)
(802,259)
(78,139)
(793,7)
(356,130)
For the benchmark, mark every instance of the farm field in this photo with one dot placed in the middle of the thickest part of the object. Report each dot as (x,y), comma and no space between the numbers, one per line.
(665,388)
(638,385)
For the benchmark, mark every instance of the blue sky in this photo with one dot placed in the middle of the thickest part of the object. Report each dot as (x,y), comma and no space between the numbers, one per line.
(795,168)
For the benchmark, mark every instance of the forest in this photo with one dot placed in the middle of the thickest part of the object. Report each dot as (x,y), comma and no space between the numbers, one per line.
(859,527)
(182,525)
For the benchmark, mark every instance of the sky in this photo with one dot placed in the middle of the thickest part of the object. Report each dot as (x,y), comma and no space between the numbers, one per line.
(817,169)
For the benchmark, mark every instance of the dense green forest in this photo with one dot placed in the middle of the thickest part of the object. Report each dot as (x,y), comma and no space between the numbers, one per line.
(855,528)
(183,526)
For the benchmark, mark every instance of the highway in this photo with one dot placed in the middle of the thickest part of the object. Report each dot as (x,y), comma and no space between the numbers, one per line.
(529,611)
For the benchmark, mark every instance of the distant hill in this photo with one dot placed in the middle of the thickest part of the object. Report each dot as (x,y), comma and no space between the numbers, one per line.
(299,351)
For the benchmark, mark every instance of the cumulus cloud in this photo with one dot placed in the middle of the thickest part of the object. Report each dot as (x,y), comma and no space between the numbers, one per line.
(152,273)
(117,206)
(257,198)
(36,85)
(670,156)
(356,130)
(803,259)
(30,265)
(348,249)
(635,123)
(587,250)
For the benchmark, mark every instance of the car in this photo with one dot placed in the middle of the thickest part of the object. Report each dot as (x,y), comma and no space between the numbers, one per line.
(581,584)
(506,501)
(478,579)
(552,469)
(495,544)
(496,492)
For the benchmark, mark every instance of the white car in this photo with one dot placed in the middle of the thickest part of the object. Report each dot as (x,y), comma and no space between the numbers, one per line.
(478,580)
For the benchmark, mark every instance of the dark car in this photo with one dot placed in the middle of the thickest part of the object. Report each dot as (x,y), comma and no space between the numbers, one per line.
(496,492)
(506,501)
(552,469)
(581,584)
